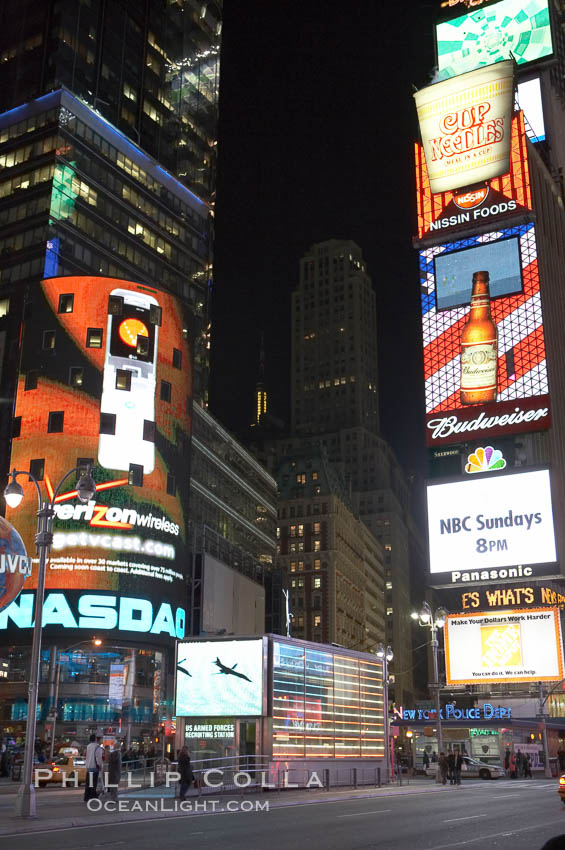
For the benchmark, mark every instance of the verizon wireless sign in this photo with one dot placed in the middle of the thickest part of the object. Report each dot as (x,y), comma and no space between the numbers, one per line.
(495,420)
(491,529)
(465,123)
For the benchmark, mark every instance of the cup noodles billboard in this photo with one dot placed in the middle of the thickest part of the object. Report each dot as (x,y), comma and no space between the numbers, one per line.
(479,208)
(490,529)
(507,646)
(465,124)
(106,378)
(520,400)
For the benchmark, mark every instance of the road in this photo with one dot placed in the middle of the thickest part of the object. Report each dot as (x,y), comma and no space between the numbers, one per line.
(505,815)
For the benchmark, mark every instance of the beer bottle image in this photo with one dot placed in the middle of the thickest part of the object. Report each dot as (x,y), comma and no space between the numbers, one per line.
(479,347)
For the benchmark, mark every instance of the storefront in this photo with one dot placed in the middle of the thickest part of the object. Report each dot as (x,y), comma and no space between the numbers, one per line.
(484,732)
(294,703)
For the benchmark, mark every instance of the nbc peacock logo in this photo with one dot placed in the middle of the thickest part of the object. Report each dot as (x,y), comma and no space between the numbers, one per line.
(485,460)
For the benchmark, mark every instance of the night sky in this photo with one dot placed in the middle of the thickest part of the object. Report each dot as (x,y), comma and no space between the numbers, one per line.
(317,123)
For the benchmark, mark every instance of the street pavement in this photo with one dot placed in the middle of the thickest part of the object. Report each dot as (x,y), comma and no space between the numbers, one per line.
(506,815)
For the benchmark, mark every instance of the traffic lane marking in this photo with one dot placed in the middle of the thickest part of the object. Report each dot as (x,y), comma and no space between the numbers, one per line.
(360,814)
(468,817)
(497,835)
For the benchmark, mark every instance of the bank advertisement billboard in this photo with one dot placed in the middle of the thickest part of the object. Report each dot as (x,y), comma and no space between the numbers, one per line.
(220,678)
(465,125)
(518,399)
(106,378)
(482,207)
(491,528)
(507,646)
(494,33)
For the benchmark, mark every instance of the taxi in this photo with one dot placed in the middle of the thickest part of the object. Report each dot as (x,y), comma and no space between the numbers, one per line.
(561,788)
(72,767)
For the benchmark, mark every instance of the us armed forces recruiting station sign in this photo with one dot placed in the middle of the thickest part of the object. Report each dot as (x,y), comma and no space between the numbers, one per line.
(509,646)
(466,125)
(491,529)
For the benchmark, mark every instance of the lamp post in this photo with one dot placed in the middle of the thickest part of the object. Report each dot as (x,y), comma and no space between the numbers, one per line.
(95,642)
(386,655)
(86,488)
(433,621)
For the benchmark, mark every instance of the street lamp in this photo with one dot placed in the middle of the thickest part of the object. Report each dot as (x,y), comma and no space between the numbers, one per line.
(386,655)
(13,493)
(433,621)
(95,642)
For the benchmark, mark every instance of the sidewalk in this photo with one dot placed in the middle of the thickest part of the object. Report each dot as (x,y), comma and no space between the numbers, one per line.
(71,812)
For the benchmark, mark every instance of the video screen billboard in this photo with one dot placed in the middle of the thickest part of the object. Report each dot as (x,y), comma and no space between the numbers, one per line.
(220,678)
(511,28)
(106,378)
(465,124)
(507,646)
(518,400)
(504,197)
(479,527)
(454,271)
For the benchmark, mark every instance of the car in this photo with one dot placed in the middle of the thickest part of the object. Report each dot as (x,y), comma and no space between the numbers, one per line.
(473,769)
(67,766)
(561,787)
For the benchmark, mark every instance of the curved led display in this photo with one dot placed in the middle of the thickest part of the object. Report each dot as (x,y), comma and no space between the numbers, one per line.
(106,378)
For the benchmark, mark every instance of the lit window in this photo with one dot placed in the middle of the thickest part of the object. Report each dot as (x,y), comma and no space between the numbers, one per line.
(317,545)
(314,476)
(388,585)
(388,612)
(293,531)
(293,566)
(316,528)
(317,582)
(301,531)
(317,621)
(301,478)
(317,564)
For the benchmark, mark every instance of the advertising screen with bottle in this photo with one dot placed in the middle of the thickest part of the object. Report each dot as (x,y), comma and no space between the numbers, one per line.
(106,379)
(484,346)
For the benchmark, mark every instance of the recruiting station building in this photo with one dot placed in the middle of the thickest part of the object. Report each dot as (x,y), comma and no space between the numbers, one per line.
(292,704)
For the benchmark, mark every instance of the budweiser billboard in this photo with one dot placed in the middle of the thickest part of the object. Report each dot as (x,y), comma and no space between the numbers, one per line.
(518,395)
(465,123)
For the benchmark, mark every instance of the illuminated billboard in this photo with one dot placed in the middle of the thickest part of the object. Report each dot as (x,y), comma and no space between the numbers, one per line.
(106,378)
(494,33)
(519,399)
(506,646)
(529,99)
(491,528)
(465,124)
(220,678)
(508,196)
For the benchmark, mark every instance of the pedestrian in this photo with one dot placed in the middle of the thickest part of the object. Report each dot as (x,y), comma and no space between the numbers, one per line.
(519,764)
(451,767)
(507,760)
(434,756)
(426,760)
(185,771)
(561,757)
(93,767)
(458,767)
(527,766)
(443,767)
(114,771)
(512,766)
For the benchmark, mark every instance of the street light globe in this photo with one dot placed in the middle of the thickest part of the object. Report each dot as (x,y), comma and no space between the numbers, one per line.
(13,493)
(425,616)
(415,615)
(441,617)
(389,653)
(86,487)
(380,651)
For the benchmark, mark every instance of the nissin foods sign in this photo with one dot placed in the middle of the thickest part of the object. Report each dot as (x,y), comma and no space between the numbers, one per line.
(465,125)
(490,529)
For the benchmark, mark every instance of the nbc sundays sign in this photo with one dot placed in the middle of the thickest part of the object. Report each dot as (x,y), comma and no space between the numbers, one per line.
(465,124)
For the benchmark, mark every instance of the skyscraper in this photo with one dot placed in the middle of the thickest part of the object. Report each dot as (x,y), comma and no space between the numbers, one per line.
(334,342)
